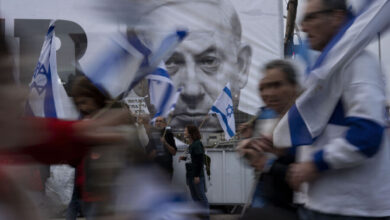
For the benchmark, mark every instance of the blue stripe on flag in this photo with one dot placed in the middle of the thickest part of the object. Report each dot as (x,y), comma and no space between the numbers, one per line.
(338,117)
(320,162)
(161,72)
(137,44)
(152,60)
(300,135)
(229,130)
(181,34)
(50,30)
(267,113)
(365,135)
(49,105)
(227,91)
(168,93)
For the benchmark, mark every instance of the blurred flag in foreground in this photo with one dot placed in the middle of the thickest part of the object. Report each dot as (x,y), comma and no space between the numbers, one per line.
(163,95)
(223,107)
(123,61)
(47,96)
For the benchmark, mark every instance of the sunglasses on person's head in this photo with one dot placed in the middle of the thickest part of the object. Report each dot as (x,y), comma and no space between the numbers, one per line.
(314,15)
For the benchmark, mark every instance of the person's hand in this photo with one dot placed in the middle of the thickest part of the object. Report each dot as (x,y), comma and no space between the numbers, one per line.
(261,144)
(299,173)
(182,158)
(252,153)
(265,143)
(152,154)
(196,180)
(257,160)
(163,141)
(245,130)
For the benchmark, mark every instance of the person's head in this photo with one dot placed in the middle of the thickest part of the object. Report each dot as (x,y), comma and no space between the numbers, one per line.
(160,122)
(279,87)
(322,20)
(87,97)
(191,133)
(210,56)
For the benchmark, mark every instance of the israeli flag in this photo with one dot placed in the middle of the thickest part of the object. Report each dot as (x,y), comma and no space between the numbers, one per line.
(47,97)
(311,112)
(175,98)
(163,95)
(112,67)
(122,61)
(223,107)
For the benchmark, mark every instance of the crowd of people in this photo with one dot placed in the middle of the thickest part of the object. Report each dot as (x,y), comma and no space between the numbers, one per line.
(342,173)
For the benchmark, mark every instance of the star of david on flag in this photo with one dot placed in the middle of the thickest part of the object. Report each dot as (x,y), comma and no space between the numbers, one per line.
(47,97)
(223,107)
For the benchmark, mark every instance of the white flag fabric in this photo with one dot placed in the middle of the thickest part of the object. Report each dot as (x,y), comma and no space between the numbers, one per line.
(309,116)
(123,61)
(223,107)
(47,97)
(114,65)
(163,94)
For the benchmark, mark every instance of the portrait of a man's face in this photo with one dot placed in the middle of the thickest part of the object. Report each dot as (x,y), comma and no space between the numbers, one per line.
(210,56)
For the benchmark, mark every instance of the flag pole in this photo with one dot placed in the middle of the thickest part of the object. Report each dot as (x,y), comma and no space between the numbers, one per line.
(203,121)
(168,122)
(251,121)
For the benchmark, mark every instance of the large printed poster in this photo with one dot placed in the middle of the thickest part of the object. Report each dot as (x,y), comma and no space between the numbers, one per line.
(228,41)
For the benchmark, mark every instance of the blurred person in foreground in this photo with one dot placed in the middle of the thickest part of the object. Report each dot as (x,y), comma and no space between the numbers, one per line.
(195,160)
(273,197)
(347,165)
(88,100)
(97,171)
(209,57)
(162,147)
(41,140)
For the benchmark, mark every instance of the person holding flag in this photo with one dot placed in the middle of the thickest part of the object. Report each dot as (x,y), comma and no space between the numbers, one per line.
(28,140)
(162,147)
(337,125)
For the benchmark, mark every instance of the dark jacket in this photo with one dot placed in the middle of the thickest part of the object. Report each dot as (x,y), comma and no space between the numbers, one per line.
(195,168)
(276,190)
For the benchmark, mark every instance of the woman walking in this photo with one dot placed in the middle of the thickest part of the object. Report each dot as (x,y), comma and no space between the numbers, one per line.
(194,166)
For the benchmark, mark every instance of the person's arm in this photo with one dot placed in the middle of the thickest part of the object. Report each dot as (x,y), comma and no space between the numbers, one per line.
(246,129)
(150,149)
(62,141)
(169,143)
(54,141)
(364,114)
(362,111)
(279,166)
